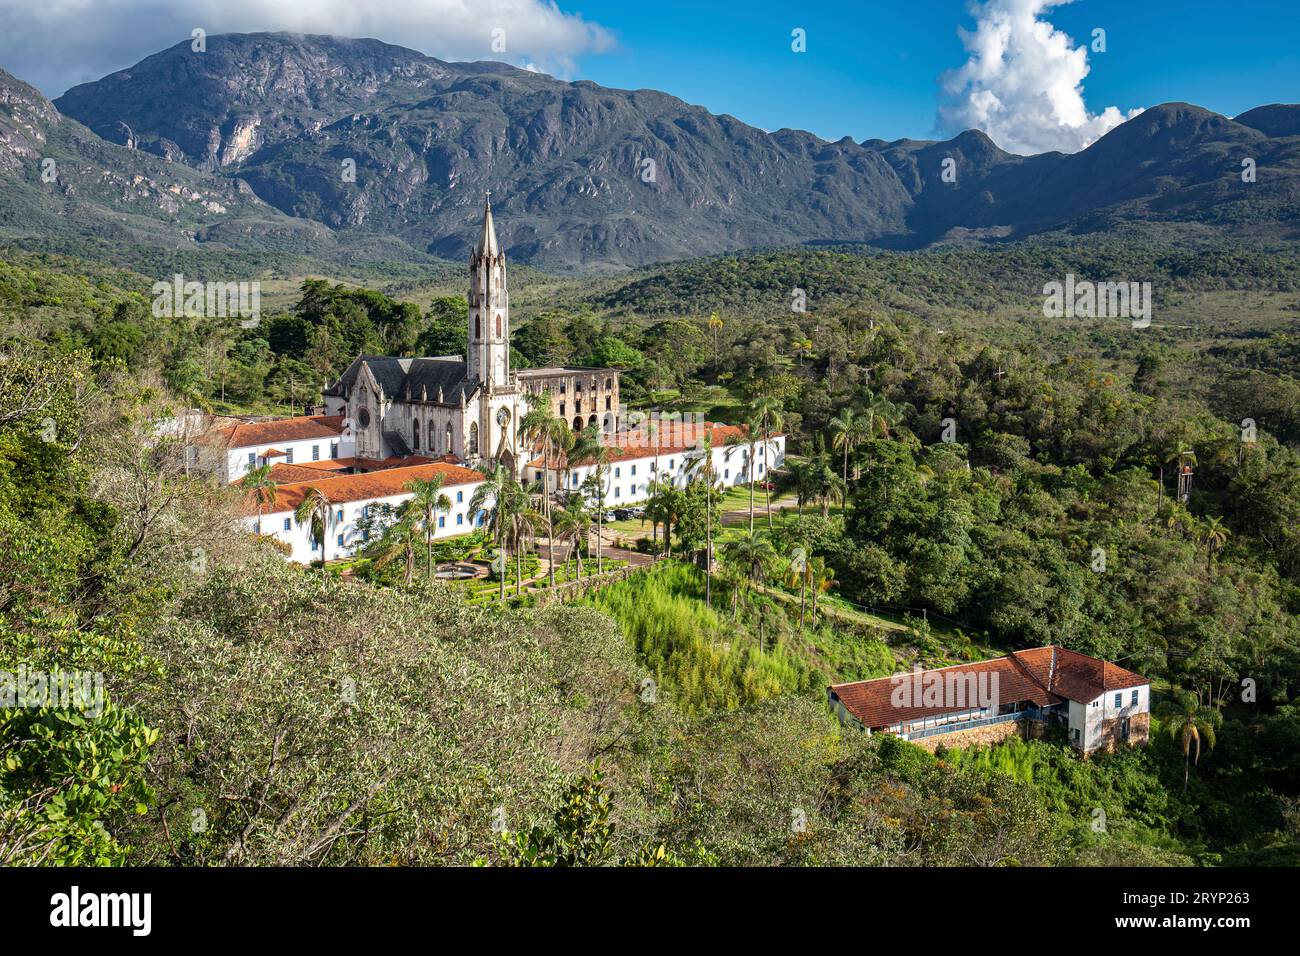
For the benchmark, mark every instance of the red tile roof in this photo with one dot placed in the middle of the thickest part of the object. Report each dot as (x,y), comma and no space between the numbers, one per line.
(340,489)
(672,439)
(1041,675)
(249,434)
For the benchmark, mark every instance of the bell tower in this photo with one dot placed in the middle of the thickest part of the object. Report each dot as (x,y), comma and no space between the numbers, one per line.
(488,355)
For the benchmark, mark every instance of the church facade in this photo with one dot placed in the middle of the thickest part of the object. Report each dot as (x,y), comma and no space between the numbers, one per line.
(468,407)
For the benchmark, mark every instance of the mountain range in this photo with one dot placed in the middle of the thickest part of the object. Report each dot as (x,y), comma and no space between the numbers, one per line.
(337,147)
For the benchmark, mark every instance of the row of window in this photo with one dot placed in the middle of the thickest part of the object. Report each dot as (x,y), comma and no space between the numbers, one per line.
(1119,700)
(288,454)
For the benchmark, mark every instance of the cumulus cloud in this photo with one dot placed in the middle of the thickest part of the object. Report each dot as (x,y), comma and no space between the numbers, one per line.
(55,44)
(1023,82)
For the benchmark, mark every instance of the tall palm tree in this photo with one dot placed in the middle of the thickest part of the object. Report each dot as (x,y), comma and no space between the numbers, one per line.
(715,326)
(1189,722)
(825,484)
(705,472)
(588,447)
(525,524)
(767,409)
(820,580)
(848,430)
(315,511)
(399,540)
(427,500)
(752,554)
(797,572)
(263,487)
(753,424)
(573,524)
(1215,535)
(495,497)
(542,428)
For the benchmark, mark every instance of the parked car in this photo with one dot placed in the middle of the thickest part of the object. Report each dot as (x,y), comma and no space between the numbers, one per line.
(622,514)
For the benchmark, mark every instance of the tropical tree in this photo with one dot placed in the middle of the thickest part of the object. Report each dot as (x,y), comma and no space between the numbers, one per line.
(768,413)
(543,429)
(706,473)
(495,497)
(752,554)
(315,511)
(1214,534)
(399,540)
(821,579)
(428,501)
(1189,722)
(573,524)
(259,483)
(589,448)
(848,430)
(797,573)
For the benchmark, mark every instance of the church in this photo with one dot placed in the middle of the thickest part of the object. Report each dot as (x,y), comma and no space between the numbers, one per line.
(465,406)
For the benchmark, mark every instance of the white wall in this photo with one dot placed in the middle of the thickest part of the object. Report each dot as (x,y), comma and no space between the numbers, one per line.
(455,522)
(627,480)
(1088,717)
(236,463)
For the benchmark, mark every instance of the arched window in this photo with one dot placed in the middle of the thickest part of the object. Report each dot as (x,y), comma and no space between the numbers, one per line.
(478,327)
(609,423)
(415,434)
(449,449)
(577,423)
(473,438)
(498,325)
(591,420)
(433,443)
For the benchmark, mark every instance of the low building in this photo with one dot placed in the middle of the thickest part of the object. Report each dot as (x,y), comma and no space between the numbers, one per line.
(354,497)
(674,454)
(1101,704)
(230,451)
(579,395)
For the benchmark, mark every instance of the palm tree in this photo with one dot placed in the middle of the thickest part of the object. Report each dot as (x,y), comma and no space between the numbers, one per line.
(820,580)
(797,572)
(848,430)
(1190,723)
(589,447)
(768,412)
(705,472)
(258,481)
(427,500)
(1215,535)
(400,539)
(715,326)
(573,524)
(825,484)
(525,523)
(753,555)
(496,488)
(881,414)
(315,511)
(542,427)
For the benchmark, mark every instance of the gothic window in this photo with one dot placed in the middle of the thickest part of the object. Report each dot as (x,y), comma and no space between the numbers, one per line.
(478,327)
(449,449)
(433,444)
(473,438)
(415,434)
(498,325)
(609,423)
(591,420)
(577,423)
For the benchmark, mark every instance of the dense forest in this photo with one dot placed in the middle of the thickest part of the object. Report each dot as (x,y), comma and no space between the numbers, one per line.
(965,478)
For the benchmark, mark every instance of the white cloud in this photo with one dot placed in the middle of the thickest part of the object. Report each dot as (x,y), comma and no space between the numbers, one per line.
(1023,82)
(55,44)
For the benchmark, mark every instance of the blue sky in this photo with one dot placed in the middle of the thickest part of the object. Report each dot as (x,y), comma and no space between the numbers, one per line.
(872,67)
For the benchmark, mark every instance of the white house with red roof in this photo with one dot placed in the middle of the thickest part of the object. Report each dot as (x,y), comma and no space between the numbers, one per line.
(672,452)
(233,450)
(354,496)
(1101,704)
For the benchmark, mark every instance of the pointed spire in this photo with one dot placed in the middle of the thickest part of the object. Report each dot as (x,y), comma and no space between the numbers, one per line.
(487,241)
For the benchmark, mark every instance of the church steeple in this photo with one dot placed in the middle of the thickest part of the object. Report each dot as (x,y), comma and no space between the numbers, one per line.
(488,355)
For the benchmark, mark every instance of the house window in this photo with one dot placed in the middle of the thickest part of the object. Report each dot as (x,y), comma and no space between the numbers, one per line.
(1119,700)
(287,524)
(616,492)
(607,384)
(460,497)
(288,456)
(618,473)
(561,391)
(539,476)
(252,458)
(340,541)
(442,521)
(577,405)
(257,527)
(634,469)
(607,403)
(726,473)
(334,449)
(1135,698)
(315,452)
(315,545)
(339,517)
(460,519)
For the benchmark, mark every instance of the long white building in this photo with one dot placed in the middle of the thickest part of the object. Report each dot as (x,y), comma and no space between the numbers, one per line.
(675,456)
(351,497)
